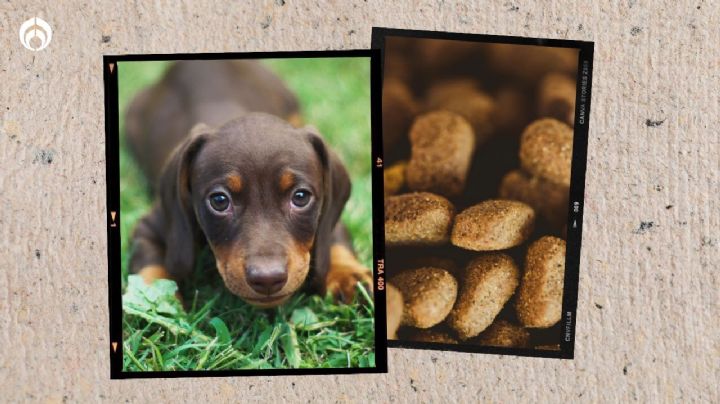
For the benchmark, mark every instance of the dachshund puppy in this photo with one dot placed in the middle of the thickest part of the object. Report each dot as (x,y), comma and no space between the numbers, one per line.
(229,170)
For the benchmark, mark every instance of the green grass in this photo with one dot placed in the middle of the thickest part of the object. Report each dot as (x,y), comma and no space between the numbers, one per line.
(217,330)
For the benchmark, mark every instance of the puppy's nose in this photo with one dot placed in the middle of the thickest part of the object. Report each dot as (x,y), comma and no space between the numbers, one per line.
(266,277)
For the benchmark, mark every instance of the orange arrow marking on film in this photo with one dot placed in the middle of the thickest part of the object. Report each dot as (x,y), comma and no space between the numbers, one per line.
(112,67)
(112,215)
(114,345)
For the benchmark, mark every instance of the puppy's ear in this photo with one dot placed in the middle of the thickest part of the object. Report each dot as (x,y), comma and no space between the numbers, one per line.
(336,184)
(181,228)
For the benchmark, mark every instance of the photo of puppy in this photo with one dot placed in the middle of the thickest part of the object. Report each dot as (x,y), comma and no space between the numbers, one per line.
(215,140)
(244,226)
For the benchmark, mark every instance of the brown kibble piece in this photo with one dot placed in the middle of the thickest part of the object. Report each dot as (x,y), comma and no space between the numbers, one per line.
(433,261)
(443,91)
(477,108)
(394,177)
(546,150)
(493,225)
(394,309)
(549,200)
(428,295)
(489,282)
(442,147)
(400,259)
(399,109)
(556,97)
(419,218)
(539,302)
(502,333)
(432,336)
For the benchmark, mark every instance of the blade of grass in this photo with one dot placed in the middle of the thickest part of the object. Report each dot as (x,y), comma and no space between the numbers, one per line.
(135,360)
(272,342)
(157,356)
(221,331)
(290,346)
(162,321)
(205,355)
(319,325)
(364,293)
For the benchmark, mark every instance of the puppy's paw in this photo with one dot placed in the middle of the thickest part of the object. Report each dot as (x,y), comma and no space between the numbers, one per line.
(341,281)
(344,275)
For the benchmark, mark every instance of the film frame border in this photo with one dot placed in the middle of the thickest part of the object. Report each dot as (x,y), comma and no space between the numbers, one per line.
(576,199)
(112,165)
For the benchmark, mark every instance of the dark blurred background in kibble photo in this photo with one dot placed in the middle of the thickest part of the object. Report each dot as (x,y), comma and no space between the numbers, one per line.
(477,140)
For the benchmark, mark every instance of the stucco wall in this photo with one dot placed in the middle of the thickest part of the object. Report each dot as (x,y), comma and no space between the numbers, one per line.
(648,305)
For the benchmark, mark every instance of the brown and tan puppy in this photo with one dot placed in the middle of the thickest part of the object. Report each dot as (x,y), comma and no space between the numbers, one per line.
(230,171)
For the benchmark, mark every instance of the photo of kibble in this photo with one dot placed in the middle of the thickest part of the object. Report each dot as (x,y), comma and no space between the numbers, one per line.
(478,147)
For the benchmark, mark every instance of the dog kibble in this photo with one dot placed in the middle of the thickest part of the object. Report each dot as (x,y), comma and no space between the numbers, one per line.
(502,333)
(428,295)
(546,150)
(394,177)
(489,282)
(442,144)
(556,97)
(433,261)
(444,91)
(432,336)
(477,108)
(493,225)
(394,310)
(419,218)
(549,200)
(400,109)
(518,101)
(539,302)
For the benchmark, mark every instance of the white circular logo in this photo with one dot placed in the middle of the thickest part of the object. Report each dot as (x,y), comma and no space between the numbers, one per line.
(35,34)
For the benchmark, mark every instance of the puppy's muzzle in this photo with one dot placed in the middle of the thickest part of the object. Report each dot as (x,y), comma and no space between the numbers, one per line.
(266,275)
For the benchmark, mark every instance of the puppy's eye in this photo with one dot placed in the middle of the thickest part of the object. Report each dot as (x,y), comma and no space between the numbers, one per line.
(219,201)
(301,198)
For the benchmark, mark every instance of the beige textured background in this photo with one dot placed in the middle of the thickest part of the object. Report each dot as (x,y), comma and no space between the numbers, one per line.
(648,310)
